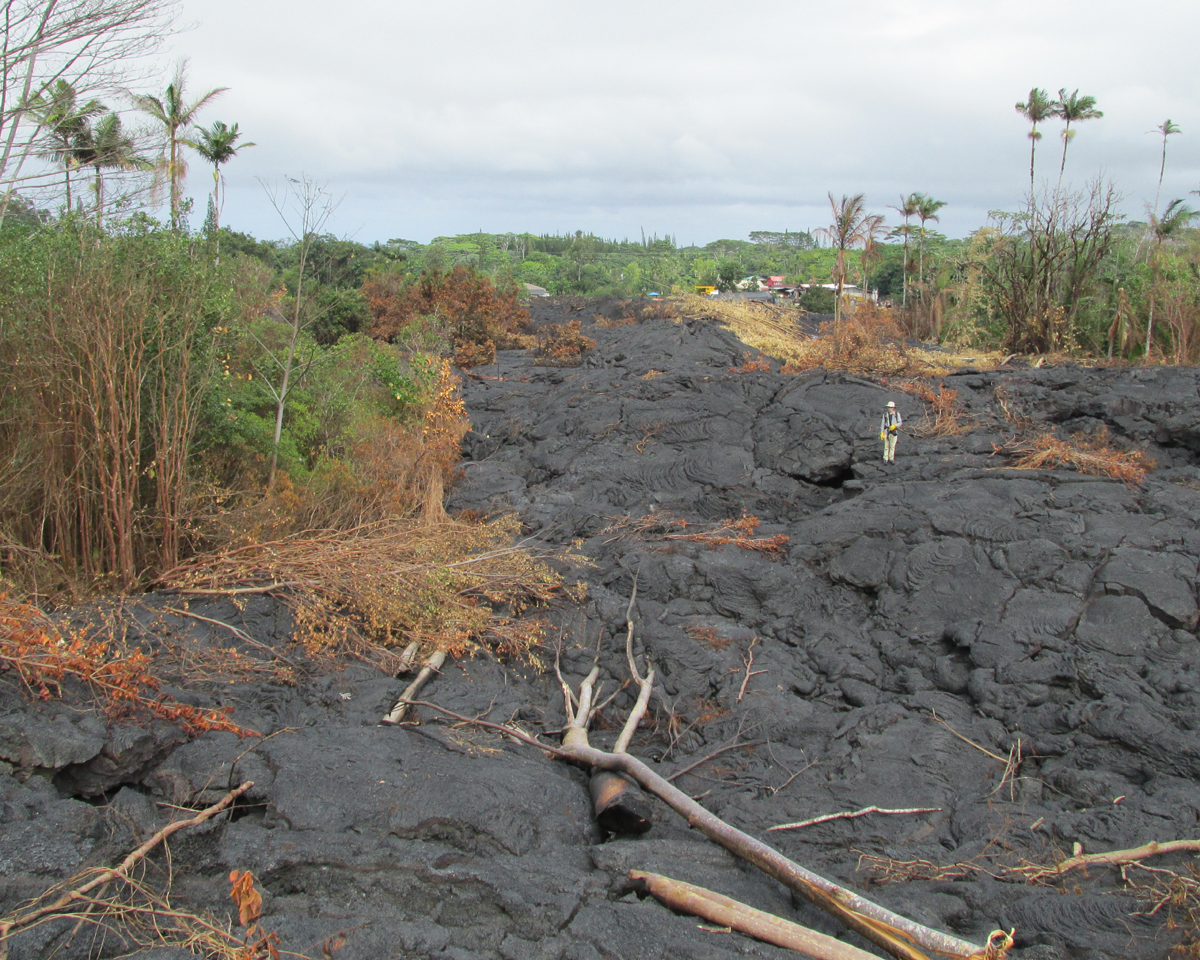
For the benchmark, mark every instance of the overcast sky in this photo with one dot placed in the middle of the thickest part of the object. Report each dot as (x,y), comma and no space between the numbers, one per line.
(699,119)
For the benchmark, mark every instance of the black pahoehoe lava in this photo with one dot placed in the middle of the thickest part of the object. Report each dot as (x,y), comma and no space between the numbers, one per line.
(1052,608)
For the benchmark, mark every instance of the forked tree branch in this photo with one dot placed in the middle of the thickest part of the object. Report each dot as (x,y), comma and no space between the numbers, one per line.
(889,930)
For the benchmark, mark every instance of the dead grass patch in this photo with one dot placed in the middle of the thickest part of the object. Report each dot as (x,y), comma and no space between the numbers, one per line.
(666,527)
(872,340)
(450,586)
(1094,454)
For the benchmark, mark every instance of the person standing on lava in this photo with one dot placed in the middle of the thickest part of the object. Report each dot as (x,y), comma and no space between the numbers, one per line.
(889,429)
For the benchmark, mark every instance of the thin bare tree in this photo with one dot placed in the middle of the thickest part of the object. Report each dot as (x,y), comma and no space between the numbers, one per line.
(305,207)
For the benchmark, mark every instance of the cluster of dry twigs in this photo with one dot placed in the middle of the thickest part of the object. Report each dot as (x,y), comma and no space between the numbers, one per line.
(449,586)
(944,416)
(97,663)
(666,527)
(128,905)
(1093,454)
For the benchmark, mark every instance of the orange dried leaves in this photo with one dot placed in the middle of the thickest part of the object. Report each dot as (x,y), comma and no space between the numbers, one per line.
(943,406)
(1092,454)
(117,677)
(249,901)
(562,345)
(472,309)
(752,364)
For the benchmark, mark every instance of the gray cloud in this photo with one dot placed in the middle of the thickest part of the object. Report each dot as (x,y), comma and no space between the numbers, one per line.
(697,118)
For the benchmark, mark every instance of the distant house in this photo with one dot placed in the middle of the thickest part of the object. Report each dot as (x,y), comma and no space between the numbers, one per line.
(535,291)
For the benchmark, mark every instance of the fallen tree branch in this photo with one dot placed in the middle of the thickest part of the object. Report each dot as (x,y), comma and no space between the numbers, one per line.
(715,908)
(645,684)
(432,666)
(1151,849)
(889,930)
(850,815)
(78,895)
(750,672)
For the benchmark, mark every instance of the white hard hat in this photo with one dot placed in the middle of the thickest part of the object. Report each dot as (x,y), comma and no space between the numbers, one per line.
(891,403)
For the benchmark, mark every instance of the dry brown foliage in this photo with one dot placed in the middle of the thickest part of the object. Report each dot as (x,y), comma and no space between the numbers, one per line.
(472,309)
(451,586)
(947,414)
(752,364)
(868,341)
(562,345)
(117,677)
(1093,454)
(665,527)
(707,635)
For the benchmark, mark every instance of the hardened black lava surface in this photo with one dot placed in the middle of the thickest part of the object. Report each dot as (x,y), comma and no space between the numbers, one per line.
(1047,616)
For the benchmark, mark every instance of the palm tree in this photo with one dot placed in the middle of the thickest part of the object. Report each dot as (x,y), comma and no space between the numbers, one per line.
(1166,128)
(61,114)
(216,145)
(106,146)
(907,208)
(175,114)
(872,231)
(1177,217)
(1072,108)
(927,209)
(1037,108)
(846,232)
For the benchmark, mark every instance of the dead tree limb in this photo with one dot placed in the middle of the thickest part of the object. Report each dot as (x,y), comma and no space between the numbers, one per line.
(645,684)
(889,930)
(1113,857)
(849,815)
(432,666)
(903,938)
(79,894)
(715,908)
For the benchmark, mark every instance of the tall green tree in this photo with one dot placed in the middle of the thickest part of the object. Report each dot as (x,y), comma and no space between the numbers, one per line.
(927,209)
(872,232)
(215,144)
(907,209)
(175,113)
(1166,128)
(65,118)
(105,145)
(846,231)
(1038,108)
(1072,108)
